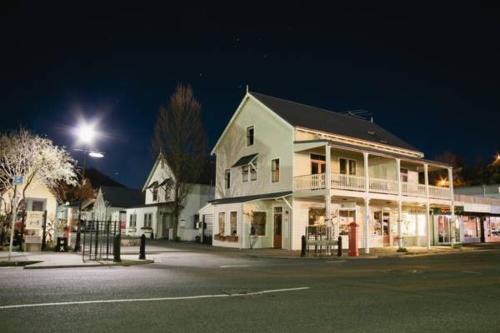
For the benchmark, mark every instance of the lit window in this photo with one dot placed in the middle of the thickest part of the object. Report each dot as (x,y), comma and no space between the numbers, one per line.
(258,227)
(275,170)
(250,136)
(227,178)
(222,221)
(233,223)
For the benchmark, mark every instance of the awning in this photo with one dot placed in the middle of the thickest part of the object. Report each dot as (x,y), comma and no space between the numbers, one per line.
(250,198)
(245,160)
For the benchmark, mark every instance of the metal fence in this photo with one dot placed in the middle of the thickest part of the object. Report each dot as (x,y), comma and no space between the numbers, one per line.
(97,240)
(321,240)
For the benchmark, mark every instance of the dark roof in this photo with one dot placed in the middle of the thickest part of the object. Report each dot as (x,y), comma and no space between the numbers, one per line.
(122,197)
(250,198)
(244,160)
(297,114)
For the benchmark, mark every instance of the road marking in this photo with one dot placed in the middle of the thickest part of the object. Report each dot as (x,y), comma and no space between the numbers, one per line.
(233,266)
(157,299)
(335,261)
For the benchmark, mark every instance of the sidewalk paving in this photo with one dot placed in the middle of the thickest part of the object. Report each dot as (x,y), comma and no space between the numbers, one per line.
(66,260)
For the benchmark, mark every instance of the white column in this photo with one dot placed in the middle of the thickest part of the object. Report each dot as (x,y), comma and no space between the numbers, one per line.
(452,207)
(400,204)
(366,232)
(427,205)
(328,185)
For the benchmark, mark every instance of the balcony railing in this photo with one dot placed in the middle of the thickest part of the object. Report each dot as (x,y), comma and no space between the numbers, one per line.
(383,185)
(413,189)
(347,182)
(439,192)
(376,185)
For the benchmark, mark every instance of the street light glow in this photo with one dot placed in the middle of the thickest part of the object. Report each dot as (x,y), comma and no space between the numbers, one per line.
(86,133)
(96,154)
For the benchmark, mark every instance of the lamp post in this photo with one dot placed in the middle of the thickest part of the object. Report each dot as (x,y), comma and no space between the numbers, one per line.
(85,134)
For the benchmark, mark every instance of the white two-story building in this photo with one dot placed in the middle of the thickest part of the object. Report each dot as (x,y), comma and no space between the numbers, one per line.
(283,166)
(155,215)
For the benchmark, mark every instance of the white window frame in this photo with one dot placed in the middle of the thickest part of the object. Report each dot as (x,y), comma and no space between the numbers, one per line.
(227,179)
(348,166)
(252,127)
(278,170)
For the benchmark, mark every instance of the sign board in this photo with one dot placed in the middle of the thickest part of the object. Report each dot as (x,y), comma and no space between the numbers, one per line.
(34,220)
(459,210)
(18,180)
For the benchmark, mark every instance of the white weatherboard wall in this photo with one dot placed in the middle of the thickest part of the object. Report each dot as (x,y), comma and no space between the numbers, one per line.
(272,139)
(140,212)
(196,199)
(227,209)
(160,172)
(36,190)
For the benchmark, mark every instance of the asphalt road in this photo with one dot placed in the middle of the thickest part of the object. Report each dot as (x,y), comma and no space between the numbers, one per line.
(455,292)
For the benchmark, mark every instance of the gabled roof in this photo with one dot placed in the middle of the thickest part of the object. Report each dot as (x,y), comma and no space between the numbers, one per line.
(314,118)
(122,197)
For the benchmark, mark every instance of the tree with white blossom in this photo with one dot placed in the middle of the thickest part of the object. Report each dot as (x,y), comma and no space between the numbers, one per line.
(26,157)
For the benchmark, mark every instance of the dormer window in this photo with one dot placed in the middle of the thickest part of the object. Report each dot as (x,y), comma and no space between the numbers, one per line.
(250,133)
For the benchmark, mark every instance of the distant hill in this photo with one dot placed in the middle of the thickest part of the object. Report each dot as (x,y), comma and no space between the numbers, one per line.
(98,179)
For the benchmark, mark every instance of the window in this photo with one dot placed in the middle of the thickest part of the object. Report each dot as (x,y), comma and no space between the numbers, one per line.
(222,221)
(233,218)
(347,167)
(148,219)
(275,170)
(37,205)
(244,173)
(155,193)
(403,173)
(258,227)
(132,220)
(253,170)
(196,219)
(250,136)
(317,164)
(227,178)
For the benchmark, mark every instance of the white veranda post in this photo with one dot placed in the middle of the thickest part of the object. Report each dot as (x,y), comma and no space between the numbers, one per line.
(367,206)
(427,206)
(400,204)
(328,186)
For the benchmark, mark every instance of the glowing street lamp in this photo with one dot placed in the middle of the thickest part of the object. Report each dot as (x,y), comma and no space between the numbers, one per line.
(86,133)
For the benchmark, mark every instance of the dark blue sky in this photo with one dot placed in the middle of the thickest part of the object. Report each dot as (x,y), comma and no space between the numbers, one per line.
(429,74)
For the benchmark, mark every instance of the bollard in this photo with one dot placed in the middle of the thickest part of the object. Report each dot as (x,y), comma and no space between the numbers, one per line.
(117,248)
(142,249)
(339,247)
(303,247)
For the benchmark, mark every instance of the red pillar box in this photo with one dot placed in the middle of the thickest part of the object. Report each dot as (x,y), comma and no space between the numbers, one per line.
(353,240)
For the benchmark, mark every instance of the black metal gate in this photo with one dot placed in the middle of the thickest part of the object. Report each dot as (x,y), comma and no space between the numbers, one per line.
(98,239)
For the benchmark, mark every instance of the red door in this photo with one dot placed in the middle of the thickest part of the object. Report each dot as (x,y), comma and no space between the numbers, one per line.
(278,221)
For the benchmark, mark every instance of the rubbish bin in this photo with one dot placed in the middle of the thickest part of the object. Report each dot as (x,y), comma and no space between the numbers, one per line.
(62,244)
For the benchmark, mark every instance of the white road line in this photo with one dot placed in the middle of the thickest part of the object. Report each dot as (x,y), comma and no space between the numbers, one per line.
(157,299)
(233,266)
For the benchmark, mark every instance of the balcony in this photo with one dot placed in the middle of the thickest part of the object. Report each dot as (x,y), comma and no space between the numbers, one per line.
(375,185)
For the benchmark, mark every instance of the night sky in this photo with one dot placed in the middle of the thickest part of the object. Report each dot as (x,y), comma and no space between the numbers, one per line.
(429,74)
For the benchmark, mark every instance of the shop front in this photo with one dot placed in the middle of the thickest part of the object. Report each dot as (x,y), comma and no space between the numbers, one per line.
(492,229)
(471,228)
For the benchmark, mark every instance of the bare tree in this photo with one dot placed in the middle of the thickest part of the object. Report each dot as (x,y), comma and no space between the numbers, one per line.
(24,158)
(180,137)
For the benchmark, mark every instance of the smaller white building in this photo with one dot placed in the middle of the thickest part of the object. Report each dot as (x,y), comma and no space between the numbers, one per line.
(112,199)
(154,217)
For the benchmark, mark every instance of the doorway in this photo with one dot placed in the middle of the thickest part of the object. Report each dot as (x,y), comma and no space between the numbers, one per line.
(278,227)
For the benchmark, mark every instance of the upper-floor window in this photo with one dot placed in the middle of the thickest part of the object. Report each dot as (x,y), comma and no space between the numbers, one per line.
(318,164)
(347,167)
(227,178)
(155,193)
(37,205)
(249,172)
(403,175)
(250,133)
(275,170)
